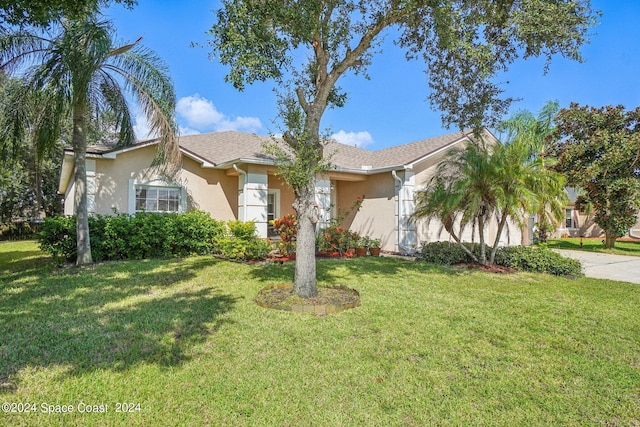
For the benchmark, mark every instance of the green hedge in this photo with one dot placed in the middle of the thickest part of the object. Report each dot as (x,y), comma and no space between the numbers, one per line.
(153,235)
(539,260)
(448,253)
(523,258)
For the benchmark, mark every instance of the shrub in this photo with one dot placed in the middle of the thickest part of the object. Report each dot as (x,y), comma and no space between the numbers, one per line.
(287,228)
(58,237)
(138,236)
(336,239)
(447,253)
(242,242)
(539,260)
(195,232)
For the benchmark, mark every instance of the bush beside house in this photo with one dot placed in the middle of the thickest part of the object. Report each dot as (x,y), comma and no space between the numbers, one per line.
(523,258)
(153,235)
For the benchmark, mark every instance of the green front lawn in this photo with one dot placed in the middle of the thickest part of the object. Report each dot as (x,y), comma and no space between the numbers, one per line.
(595,245)
(429,345)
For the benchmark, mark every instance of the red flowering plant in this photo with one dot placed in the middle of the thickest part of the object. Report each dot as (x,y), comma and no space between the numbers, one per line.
(336,238)
(287,228)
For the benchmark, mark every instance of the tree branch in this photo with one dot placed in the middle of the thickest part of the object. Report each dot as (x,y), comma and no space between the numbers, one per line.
(302,100)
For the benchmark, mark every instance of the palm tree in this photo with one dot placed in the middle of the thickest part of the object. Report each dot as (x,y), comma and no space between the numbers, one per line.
(532,133)
(479,182)
(78,74)
(462,191)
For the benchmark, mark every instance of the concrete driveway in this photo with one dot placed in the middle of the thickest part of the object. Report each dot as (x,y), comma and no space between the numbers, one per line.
(604,266)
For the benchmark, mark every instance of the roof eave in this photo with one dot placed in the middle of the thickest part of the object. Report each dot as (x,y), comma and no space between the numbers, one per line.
(65,173)
(372,171)
(229,163)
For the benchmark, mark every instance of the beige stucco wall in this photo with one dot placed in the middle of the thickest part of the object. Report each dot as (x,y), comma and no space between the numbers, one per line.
(210,190)
(432,230)
(286,194)
(376,218)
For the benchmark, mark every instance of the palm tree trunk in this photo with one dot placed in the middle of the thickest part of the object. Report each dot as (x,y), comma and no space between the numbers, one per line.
(448,225)
(503,221)
(79,142)
(483,249)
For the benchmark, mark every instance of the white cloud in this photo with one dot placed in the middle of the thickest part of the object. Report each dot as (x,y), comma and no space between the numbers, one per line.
(201,115)
(357,139)
(186,130)
(141,128)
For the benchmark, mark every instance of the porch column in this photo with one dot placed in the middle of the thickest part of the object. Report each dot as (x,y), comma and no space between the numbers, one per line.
(91,186)
(323,200)
(407,236)
(252,197)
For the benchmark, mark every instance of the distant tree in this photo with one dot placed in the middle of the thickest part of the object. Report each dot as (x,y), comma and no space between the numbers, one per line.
(306,47)
(30,171)
(28,187)
(77,74)
(598,150)
(533,133)
(43,12)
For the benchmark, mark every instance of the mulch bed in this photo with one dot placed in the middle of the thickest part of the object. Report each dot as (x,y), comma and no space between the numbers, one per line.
(500,269)
(329,299)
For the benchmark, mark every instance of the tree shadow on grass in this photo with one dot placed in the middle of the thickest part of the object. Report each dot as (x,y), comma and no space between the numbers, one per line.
(111,316)
(332,271)
(22,261)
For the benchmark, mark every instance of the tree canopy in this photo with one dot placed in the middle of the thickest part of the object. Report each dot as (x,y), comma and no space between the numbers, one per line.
(598,150)
(43,12)
(307,46)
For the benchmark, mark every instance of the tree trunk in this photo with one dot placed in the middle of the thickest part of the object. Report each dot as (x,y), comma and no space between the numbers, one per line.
(503,221)
(305,271)
(609,240)
(79,142)
(448,225)
(483,249)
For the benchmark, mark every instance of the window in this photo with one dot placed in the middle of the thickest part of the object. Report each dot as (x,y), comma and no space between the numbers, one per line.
(157,199)
(273,210)
(568,219)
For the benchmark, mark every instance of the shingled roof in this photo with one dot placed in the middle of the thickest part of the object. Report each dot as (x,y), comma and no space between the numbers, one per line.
(221,149)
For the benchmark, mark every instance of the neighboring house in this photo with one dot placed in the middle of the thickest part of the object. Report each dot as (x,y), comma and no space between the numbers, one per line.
(228,175)
(578,223)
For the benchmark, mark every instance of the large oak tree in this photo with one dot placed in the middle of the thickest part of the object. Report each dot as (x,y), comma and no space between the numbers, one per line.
(307,46)
(598,150)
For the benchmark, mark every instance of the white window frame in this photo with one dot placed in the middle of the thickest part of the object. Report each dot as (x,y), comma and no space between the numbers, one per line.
(275,192)
(569,214)
(134,184)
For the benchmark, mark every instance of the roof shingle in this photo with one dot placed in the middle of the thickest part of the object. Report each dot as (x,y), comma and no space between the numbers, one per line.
(221,148)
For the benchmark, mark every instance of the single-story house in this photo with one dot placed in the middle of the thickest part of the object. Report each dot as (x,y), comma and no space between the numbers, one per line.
(228,175)
(577,223)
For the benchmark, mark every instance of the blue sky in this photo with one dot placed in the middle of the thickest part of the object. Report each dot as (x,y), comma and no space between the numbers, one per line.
(391,108)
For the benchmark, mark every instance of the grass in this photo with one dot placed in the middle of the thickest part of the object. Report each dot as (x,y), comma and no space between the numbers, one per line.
(595,245)
(429,345)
